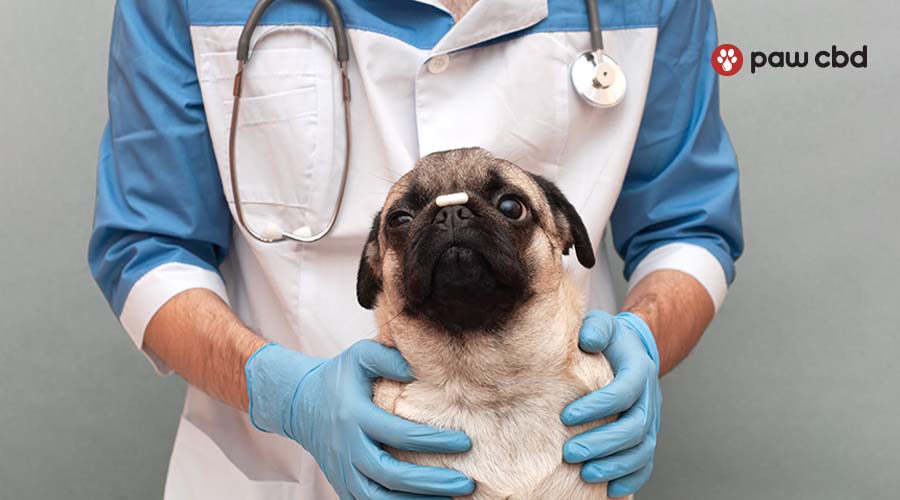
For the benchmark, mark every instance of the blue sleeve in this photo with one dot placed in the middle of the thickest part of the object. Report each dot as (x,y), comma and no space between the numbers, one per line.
(159,196)
(682,182)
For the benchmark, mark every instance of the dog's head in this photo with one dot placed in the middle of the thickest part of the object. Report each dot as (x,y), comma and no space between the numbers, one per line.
(468,266)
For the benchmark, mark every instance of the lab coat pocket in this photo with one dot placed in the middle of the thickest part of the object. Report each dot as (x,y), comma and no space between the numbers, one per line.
(276,151)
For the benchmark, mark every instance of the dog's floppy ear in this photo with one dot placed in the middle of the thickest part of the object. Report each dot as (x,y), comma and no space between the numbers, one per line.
(569,222)
(368,278)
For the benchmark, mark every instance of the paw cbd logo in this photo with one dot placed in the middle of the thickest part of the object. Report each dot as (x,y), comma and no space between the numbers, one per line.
(727,59)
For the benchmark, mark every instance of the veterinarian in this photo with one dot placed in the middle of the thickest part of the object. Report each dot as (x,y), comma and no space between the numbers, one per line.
(199,295)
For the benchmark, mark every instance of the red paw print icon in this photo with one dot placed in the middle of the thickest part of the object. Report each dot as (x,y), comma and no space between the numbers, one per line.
(727,59)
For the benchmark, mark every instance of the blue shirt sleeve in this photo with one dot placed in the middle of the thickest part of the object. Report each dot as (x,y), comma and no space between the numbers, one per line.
(159,195)
(682,182)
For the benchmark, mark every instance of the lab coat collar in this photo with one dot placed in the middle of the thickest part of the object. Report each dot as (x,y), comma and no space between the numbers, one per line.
(489,19)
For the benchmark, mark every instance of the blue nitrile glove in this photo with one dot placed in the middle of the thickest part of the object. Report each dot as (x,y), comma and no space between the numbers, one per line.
(326,406)
(620,452)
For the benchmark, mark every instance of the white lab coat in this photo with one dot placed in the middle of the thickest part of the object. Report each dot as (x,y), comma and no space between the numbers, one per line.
(512,97)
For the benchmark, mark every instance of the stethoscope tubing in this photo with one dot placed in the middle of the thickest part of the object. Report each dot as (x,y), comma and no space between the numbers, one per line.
(342,43)
(342,55)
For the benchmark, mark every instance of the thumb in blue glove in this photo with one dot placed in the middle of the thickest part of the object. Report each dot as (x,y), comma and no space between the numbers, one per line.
(326,406)
(620,452)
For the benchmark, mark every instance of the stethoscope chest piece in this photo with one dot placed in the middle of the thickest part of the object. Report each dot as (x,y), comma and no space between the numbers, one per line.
(599,79)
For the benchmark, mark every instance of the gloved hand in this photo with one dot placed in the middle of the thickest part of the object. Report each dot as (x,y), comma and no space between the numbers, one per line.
(326,406)
(620,452)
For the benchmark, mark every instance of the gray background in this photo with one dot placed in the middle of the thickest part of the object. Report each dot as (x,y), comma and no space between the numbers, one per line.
(790,395)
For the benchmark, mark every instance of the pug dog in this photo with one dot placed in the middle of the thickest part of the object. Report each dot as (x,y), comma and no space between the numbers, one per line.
(470,288)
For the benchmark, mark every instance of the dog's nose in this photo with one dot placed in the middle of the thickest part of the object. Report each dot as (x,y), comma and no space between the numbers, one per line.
(453,216)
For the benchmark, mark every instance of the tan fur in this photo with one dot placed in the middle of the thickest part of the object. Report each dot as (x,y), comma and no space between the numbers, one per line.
(507,390)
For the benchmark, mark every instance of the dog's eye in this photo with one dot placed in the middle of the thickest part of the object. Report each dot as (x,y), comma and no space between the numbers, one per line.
(512,208)
(398,219)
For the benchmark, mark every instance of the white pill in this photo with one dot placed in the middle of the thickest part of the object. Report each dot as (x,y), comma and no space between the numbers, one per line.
(452,199)
(272,232)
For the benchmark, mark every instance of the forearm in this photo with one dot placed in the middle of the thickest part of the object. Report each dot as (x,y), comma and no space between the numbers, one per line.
(199,336)
(677,308)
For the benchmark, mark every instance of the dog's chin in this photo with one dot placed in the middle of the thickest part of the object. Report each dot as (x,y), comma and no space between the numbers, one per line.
(468,290)
(460,269)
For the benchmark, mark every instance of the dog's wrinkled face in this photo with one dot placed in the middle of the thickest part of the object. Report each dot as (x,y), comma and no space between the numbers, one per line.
(467,267)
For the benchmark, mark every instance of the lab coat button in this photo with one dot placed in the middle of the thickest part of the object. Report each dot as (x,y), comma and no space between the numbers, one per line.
(438,64)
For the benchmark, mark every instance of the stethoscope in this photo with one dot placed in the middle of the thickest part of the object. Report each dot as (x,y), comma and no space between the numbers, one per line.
(597,78)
